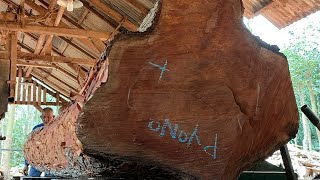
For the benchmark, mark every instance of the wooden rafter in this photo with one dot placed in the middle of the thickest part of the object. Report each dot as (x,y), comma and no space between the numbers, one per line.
(49,59)
(48,30)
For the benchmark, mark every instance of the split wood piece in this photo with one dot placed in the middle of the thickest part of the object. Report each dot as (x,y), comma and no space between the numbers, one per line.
(203,103)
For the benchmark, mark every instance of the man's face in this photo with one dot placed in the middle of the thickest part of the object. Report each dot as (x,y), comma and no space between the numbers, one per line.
(47,116)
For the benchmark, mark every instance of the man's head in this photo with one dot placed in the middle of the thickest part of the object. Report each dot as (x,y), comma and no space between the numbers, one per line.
(47,115)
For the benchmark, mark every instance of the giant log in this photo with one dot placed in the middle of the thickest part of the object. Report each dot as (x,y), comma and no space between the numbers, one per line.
(195,96)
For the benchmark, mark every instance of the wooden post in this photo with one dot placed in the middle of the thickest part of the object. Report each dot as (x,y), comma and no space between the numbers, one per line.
(44,95)
(34,99)
(29,94)
(18,98)
(57,98)
(39,94)
(13,62)
(24,89)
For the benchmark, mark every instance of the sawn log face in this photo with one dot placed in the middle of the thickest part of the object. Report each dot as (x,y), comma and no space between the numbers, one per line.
(198,94)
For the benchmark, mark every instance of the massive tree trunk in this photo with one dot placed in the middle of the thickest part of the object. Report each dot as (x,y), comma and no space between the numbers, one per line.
(6,155)
(305,126)
(197,97)
(313,100)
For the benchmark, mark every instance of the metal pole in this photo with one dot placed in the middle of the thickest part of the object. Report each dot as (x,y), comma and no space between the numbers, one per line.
(287,163)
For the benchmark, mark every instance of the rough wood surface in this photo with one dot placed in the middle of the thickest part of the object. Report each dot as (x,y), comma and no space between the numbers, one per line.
(4,87)
(198,97)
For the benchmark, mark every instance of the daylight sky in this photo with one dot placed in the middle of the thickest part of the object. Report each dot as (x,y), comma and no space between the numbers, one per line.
(271,34)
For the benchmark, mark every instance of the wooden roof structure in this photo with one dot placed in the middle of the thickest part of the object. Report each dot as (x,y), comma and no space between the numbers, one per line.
(53,49)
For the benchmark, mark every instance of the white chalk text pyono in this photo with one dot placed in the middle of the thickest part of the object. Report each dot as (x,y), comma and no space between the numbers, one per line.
(182,136)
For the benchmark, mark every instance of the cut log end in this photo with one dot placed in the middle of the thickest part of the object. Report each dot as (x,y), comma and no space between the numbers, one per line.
(196,98)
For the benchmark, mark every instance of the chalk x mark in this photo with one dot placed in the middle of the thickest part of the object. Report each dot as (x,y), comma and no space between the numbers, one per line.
(162,68)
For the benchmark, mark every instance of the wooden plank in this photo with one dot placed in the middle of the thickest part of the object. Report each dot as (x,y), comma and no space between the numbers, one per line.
(13,63)
(57,98)
(38,107)
(44,95)
(24,92)
(18,98)
(29,94)
(57,31)
(56,23)
(46,104)
(39,94)
(34,97)
(21,64)
(23,56)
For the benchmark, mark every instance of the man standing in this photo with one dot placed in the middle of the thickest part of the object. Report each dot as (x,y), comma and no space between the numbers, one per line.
(46,117)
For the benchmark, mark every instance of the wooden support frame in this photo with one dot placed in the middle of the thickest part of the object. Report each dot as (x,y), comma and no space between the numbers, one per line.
(57,31)
(26,57)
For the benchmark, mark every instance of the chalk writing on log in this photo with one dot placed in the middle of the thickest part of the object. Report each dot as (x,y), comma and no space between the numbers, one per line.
(183,136)
(162,68)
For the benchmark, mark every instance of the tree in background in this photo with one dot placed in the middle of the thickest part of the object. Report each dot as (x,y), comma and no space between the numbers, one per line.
(303,53)
(6,156)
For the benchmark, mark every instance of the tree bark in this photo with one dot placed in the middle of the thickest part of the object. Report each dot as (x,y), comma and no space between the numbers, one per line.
(313,100)
(198,97)
(306,130)
(6,155)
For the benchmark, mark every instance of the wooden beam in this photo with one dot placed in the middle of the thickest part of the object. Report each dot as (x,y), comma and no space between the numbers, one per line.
(22,56)
(42,104)
(113,14)
(56,23)
(8,16)
(82,74)
(37,107)
(13,63)
(270,5)
(23,64)
(48,30)
(43,10)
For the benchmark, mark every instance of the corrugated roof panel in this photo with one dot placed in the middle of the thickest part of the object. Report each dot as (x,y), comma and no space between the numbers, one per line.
(133,14)
(72,52)
(149,4)
(97,24)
